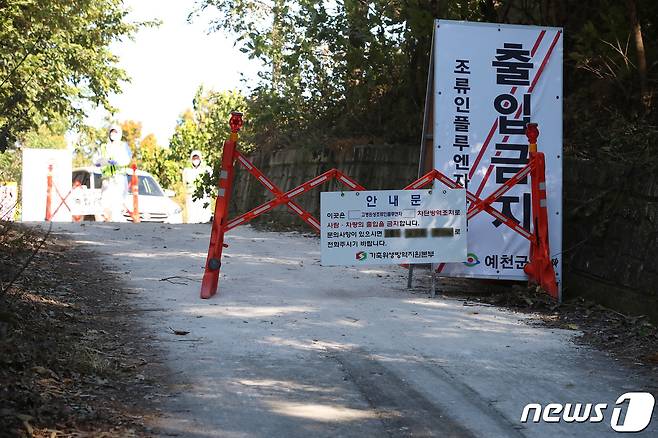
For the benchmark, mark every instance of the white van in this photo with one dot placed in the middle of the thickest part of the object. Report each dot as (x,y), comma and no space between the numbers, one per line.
(155,204)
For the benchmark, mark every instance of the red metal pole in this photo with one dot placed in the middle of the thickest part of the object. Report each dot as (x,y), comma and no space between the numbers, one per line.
(134,188)
(76,186)
(214,258)
(540,267)
(282,199)
(49,193)
(474,199)
(269,185)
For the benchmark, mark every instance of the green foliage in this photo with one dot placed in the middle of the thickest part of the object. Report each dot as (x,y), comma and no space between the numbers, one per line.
(11,171)
(10,166)
(88,141)
(204,127)
(131,133)
(337,72)
(353,71)
(51,136)
(54,58)
(158,161)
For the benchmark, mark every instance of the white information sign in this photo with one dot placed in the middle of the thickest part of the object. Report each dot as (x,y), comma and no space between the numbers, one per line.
(392,227)
(85,201)
(489,81)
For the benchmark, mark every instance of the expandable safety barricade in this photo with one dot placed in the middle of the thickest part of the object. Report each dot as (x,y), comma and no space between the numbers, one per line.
(539,270)
(134,190)
(50,187)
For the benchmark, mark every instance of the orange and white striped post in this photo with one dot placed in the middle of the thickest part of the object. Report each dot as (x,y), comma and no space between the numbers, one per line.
(49,193)
(134,189)
(76,186)
(214,258)
(540,267)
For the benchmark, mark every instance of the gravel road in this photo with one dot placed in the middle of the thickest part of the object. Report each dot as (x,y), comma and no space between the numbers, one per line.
(293,349)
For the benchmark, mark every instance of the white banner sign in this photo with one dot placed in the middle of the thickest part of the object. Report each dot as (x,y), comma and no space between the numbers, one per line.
(489,81)
(35,184)
(392,227)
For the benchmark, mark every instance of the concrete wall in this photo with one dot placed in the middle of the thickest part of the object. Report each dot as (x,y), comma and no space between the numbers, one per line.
(611,235)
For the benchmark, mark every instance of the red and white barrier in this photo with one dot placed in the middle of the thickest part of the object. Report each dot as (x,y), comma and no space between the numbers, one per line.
(52,191)
(49,196)
(134,190)
(44,172)
(540,269)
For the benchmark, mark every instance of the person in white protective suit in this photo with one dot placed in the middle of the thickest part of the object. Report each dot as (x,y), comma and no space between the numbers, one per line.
(113,158)
(198,211)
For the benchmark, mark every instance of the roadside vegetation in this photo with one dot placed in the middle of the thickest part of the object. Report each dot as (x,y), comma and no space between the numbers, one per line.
(336,74)
(71,358)
(347,73)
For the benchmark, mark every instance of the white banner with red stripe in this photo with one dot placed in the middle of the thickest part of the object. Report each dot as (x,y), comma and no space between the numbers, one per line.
(489,81)
(35,184)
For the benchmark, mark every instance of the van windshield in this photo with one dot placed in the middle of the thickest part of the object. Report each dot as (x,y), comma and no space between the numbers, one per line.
(146,184)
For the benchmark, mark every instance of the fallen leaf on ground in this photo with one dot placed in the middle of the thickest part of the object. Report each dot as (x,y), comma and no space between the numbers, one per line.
(653,358)
(179,332)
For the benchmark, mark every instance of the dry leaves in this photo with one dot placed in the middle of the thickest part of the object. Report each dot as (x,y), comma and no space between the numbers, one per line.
(70,355)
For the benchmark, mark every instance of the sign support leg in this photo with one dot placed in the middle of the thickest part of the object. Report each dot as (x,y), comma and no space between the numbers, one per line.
(410,276)
(433,290)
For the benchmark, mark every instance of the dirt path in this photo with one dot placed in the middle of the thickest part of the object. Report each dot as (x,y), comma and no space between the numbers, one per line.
(72,357)
(290,348)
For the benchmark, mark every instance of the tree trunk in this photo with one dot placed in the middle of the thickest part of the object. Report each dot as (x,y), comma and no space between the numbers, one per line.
(434,8)
(636,29)
(277,43)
